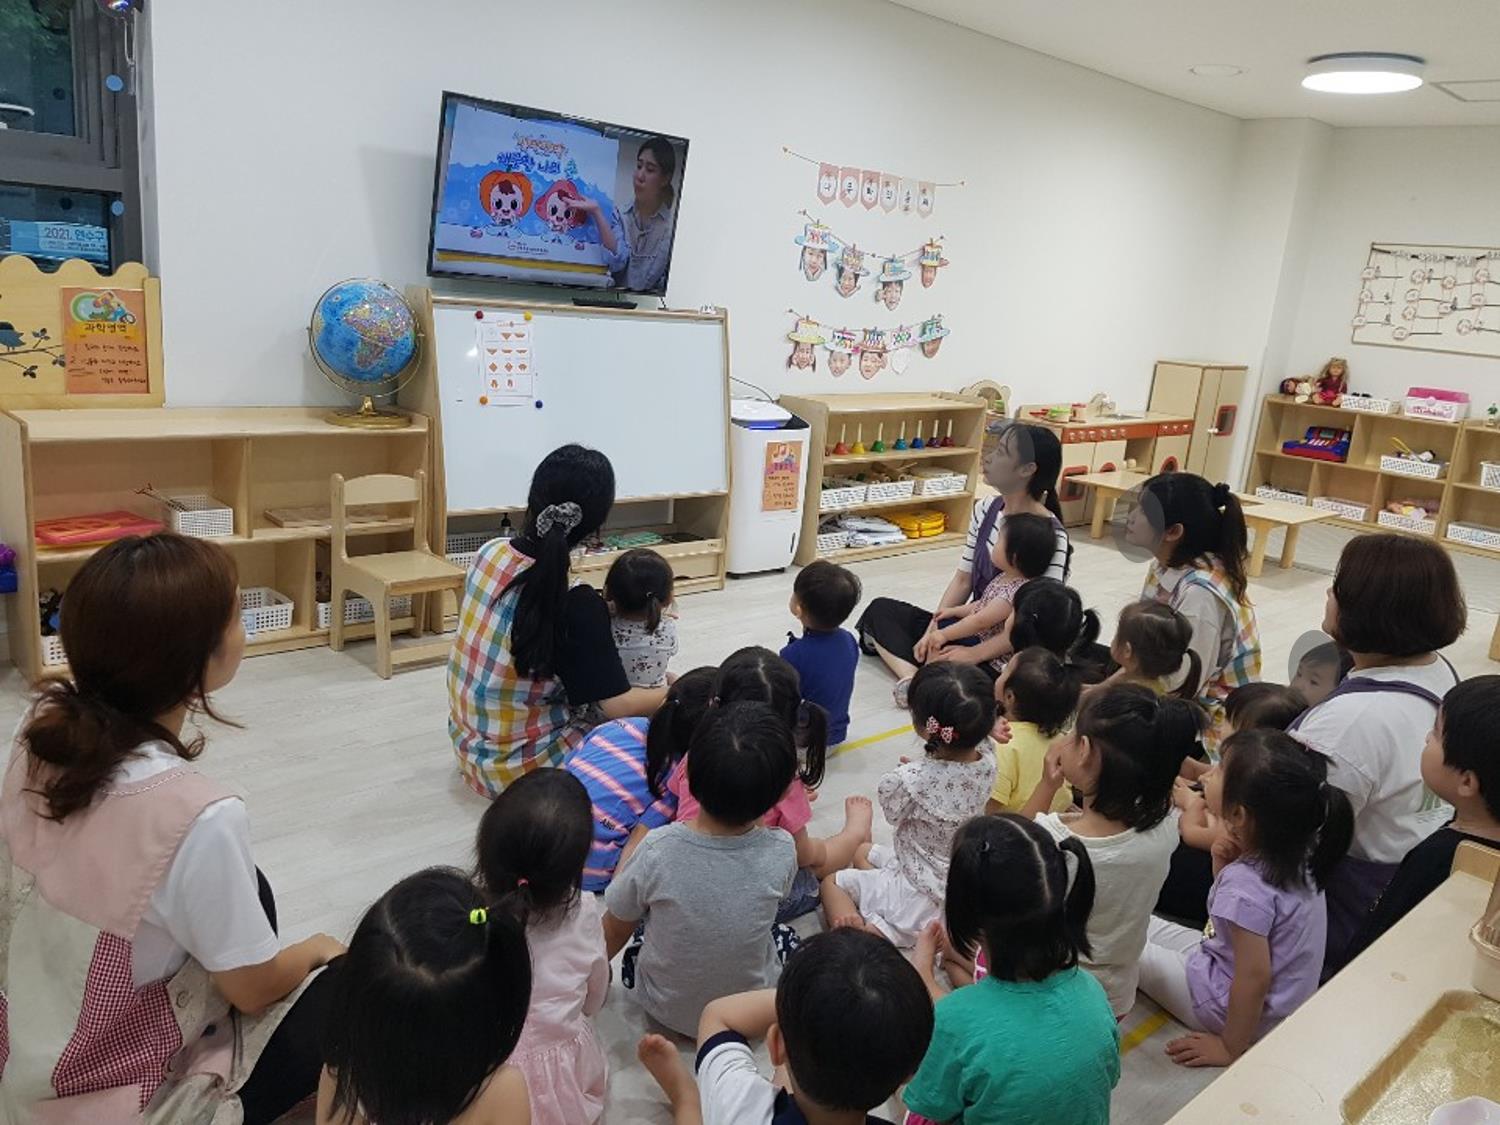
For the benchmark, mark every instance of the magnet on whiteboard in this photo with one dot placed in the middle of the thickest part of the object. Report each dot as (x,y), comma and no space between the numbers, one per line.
(525,316)
(538,404)
(478,314)
(484,400)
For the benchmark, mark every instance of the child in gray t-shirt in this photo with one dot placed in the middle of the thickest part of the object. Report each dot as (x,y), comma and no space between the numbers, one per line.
(709,887)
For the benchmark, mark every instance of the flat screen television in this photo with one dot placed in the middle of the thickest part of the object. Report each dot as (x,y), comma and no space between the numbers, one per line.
(522,194)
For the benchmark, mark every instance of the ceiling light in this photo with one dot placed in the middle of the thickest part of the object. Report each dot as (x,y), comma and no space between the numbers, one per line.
(1363,72)
(1217,70)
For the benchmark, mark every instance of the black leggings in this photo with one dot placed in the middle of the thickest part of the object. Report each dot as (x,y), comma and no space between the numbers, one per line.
(287,1071)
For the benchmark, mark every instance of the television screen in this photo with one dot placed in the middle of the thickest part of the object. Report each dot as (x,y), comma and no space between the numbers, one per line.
(525,195)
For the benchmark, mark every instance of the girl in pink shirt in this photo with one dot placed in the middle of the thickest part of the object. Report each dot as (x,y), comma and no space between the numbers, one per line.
(758,675)
(534,840)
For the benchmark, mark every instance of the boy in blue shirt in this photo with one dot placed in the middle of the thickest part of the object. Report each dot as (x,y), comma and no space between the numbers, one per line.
(825,656)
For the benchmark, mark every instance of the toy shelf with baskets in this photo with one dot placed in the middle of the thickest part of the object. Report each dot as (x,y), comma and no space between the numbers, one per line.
(872,482)
(62,463)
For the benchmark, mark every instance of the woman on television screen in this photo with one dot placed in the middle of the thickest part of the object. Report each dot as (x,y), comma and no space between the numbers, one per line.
(647,223)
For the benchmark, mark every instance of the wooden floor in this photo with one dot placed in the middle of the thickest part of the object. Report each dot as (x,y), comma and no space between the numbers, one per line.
(351,784)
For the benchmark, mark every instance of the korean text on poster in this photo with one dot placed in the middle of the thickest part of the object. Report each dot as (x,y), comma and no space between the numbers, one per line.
(104,341)
(778,491)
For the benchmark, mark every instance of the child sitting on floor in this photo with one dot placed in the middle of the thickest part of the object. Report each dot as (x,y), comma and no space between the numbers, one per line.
(624,766)
(533,843)
(1122,758)
(1269,919)
(1037,694)
(825,656)
(1461,765)
(1023,550)
(1320,670)
(638,589)
(1151,645)
(711,884)
(897,891)
(849,1021)
(425,1008)
(1033,1039)
(758,675)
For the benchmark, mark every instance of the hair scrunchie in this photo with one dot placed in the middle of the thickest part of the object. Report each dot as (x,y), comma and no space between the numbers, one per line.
(1221,495)
(567,516)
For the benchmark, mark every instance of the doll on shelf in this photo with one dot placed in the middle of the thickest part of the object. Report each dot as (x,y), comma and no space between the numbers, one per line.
(1332,382)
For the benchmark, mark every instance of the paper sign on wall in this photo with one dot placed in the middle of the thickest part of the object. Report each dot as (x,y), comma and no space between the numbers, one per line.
(506,363)
(104,341)
(849,186)
(869,188)
(828,183)
(778,491)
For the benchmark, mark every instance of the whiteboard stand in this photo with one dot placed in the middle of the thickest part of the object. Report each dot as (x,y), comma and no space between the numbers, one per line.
(649,388)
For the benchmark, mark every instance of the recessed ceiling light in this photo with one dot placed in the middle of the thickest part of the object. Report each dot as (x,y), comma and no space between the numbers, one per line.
(1363,72)
(1217,70)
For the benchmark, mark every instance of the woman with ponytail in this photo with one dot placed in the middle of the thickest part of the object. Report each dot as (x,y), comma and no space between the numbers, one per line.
(1022,466)
(533,843)
(534,664)
(137,914)
(1196,531)
(1121,760)
(1286,829)
(1032,1039)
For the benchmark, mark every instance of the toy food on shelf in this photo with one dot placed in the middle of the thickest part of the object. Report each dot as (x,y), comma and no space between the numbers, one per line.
(1320,443)
(921,524)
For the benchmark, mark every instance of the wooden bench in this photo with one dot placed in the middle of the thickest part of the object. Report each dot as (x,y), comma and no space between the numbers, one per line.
(1261,516)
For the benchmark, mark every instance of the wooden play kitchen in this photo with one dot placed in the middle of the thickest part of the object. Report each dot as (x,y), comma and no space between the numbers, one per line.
(261,472)
(910,459)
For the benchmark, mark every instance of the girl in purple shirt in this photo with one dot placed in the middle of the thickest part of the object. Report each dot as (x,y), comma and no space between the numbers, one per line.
(1261,955)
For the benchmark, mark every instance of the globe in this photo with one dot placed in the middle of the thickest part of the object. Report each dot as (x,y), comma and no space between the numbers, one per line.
(364,337)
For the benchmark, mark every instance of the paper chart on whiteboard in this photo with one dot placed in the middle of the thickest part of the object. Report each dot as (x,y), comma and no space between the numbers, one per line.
(507,363)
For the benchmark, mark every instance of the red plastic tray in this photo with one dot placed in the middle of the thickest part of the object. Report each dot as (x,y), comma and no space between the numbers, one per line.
(85,531)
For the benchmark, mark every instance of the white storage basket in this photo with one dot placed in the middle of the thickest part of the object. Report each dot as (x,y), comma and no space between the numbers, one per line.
(937,482)
(1348,509)
(462,546)
(1406,523)
(1365,404)
(1489,474)
(840,493)
(884,491)
(358,611)
(1475,534)
(204,517)
(263,610)
(1281,495)
(830,541)
(1409,467)
(52,652)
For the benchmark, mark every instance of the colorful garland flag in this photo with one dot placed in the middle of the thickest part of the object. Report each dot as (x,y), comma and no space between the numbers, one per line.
(886,190)
(873,346)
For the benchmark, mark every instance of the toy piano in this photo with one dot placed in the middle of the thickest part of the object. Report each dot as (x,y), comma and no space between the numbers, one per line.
(92,530)
(1320,443)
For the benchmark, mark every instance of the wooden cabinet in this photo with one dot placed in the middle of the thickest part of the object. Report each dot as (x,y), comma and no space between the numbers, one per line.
(1212,395)
(56,463)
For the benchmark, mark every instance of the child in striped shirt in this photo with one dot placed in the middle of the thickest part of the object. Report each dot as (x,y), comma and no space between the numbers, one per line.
(624,766)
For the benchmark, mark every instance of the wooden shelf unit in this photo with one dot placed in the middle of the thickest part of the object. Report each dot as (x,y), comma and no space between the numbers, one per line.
(1456,496)
(56,463)
(827,415)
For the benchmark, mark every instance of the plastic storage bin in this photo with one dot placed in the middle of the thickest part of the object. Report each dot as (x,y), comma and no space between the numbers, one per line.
(52,651)
(204,517)
(1348,509)
(1406,523)
(838,492)
(358,611)
(1476,534)
(1411,467)
(263,610)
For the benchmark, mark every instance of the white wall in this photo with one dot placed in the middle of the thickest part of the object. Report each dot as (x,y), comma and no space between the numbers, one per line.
(1394,185)
(294,147)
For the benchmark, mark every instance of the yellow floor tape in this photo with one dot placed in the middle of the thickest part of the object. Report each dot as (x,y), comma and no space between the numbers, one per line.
(1143,1031)
(869,739)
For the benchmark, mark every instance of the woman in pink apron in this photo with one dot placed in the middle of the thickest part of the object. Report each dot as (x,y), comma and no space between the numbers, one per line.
(141,973)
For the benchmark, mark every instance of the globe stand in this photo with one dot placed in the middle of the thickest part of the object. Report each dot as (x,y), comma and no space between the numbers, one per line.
(367,417)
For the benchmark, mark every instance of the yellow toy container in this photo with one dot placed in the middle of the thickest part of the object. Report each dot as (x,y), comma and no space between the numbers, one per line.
(922,524)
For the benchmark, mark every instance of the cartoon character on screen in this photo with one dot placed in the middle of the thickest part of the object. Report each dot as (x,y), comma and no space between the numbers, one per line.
(872,353)
(850,269)
(505,197)
(842,344)
(805,337)
(816,241)
(930,335)
(892,277)
(932,260)
(556,208)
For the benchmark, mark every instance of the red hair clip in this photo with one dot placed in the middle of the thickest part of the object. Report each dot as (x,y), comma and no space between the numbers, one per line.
(934,729)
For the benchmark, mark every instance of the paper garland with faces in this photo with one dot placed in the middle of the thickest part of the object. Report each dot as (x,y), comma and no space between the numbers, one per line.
(874,348)
(822,248)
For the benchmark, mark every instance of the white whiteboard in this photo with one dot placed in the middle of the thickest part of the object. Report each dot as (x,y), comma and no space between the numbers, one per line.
(647,391)
(1432,298)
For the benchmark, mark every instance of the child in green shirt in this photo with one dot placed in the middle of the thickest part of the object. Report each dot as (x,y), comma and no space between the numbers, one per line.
(1033,1040)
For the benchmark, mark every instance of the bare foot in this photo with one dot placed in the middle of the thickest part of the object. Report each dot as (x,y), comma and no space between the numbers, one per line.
(846,921)
(859,817)
(659,1056)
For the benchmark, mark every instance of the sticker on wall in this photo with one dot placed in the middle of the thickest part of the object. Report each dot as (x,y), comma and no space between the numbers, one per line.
(890,190)
(828,183)
(849,186)
(869,188)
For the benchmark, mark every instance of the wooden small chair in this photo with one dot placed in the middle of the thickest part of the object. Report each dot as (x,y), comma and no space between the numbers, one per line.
(417,572)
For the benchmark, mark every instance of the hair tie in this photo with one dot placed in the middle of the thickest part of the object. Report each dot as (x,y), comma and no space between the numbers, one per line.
(478,916)
(522,882)
(1221,495)
(934,729)
(566,515)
